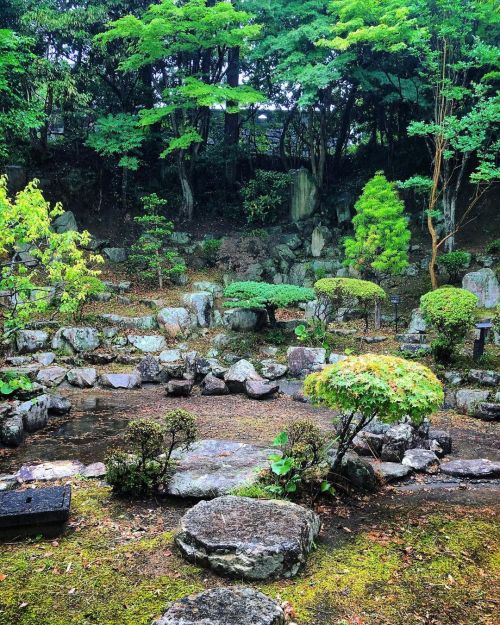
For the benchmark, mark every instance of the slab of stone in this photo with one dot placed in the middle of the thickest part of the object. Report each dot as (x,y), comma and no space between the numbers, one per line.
(216,290)
(170,355)
(49,471)
(79,339)
(357,471)
(477,468)
(397,439)
(244,319)
(115,254)
(94,470)
(58,405)
(34,511)
(272,370)
(34,413)
(248,538)
(179,388)
(146,322)
(12,431)
(368,444)
(149,369)
(261,389)
(467,399)
(175,321)
(121,380)
(304,360)
(484,285)
(487,411)
(29,341)
(390,471)
(211,468)
(224,606)
(200,304)
(51,376)
(83,377)
(484,377)
(65,223)
(421,460)
(417,322)
(211,385)
(45,358)
(149,343)
(238,374)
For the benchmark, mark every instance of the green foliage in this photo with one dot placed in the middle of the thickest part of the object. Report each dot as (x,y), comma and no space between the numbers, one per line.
(146,466)
(454,263)
(270,297)
(314,333)
(369,386)
(266,196)
(118,135)
(381,235)
(10,383)
(299,468)
(148,253)
(211,249)
(451,313)
(52,266)
(493,247)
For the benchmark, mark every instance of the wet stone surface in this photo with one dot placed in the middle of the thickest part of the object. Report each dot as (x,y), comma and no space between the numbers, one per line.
(248,538)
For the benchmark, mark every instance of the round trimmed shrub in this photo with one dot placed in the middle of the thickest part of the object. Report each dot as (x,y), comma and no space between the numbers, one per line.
(454,263)
(451,313)
(369,386)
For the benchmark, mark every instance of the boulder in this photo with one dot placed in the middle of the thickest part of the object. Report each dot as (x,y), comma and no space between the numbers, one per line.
(212,385)
(51,376)
(94,470)
(421,460)
(259,389)
(238,374)
(45,358)
(368,444)
(146,322)
(48,471)
(179,388)
(149,369)
(121,380)
(477,468)
(418,324)
(453,378)
(467,399)
(175,321)
(211,468)
(170,355)
(319,238)
(200,304)
(484,284)
(390,471)
(334,358)
(58,405)
(357,471)
(11,431)
(216,290)
(224,606)
(487,411)
(83,377)
(298,274)
(443,439)
(76,339)
(115,254)
(28,341)
(397,439)
(304,194)
(244,319)
(65,223)
(304,360)
(34,413)
(272,370)
(248,538)
(485,378)
(149,343)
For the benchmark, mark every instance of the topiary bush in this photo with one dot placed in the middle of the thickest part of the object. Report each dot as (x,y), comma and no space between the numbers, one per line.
(264,296)
(369,386)
(349,293)
(454,263)
(146,465)
(451,313)
(381,239)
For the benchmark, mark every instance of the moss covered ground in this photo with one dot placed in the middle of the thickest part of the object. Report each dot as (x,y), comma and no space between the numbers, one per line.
(117,564)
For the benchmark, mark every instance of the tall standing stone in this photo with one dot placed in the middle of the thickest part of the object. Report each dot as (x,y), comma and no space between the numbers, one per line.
(484,284)
(304,199)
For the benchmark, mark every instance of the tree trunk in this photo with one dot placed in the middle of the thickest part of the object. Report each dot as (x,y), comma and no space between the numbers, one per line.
(271,313)
(124,188)
(232,120)
(187,208)
(378,315)
(345,126)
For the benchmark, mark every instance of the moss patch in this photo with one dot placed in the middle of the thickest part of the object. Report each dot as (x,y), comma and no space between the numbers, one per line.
(118,564)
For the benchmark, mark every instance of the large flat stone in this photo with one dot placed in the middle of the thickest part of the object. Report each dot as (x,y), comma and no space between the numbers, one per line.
(224,606)
(48,471)
(390,471)
(304,360)
(149,343)
(35,510)
(478,468)
(248,538)
(121,380)
(211,468)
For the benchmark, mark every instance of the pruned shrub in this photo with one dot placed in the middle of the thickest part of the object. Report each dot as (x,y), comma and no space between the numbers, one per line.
(264,296)
(364,387)
(349,293)
(146,465)
(451,313)
(454,263)
(265,197)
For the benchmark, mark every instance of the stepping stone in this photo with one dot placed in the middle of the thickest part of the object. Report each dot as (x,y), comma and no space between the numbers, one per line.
(257,389)
(421,460)
(59,405)
(83,377)
(121,380)
(477,468)
(51,376)
(149,343)
(48,471)
(34,511)
(390,471)
(211,468)
(224,606)
(248,538)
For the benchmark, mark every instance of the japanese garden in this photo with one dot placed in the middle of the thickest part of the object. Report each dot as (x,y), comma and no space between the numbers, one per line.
(249,312)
